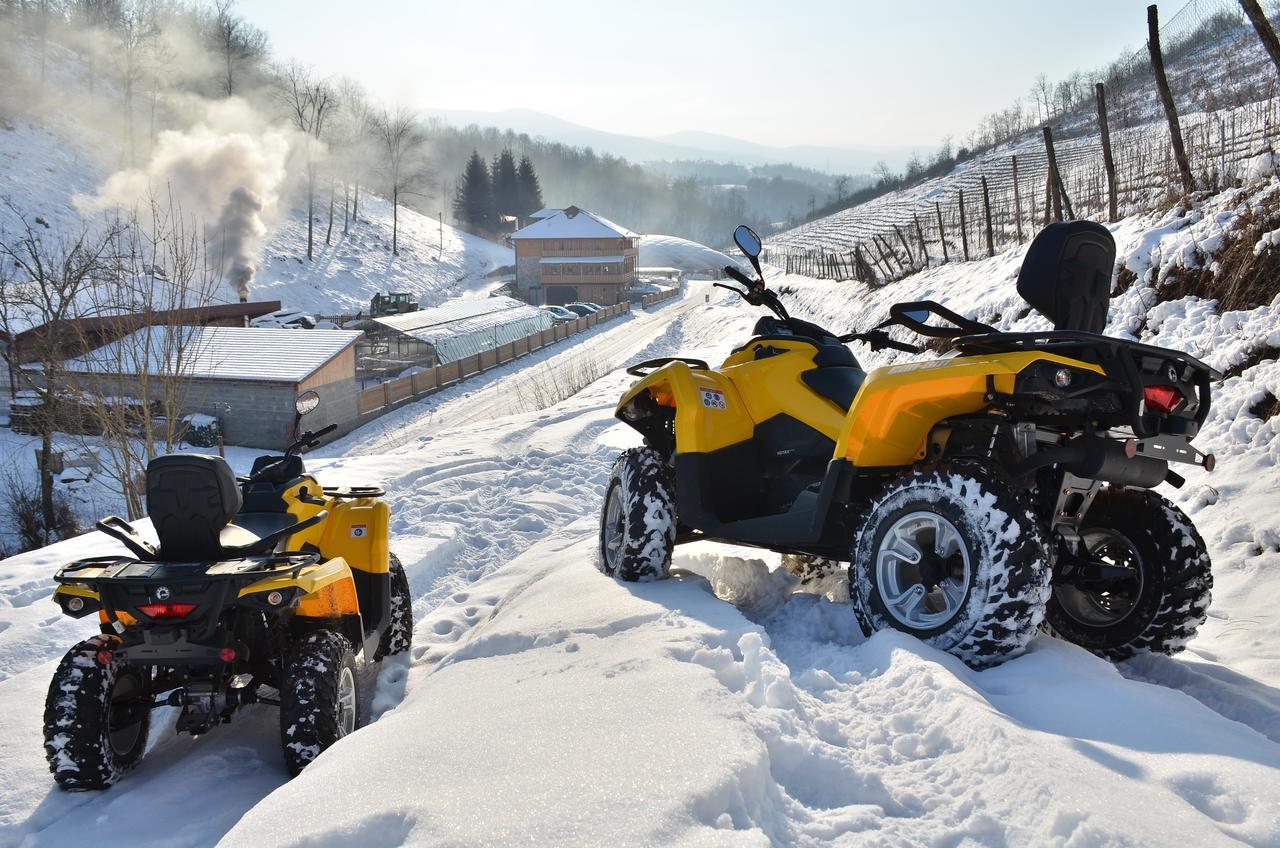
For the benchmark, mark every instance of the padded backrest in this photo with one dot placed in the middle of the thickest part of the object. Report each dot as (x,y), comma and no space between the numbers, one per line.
(1066,275)
(190,498)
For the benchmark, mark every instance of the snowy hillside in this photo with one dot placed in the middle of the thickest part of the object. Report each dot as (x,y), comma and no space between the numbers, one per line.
(44,169)
(544,703)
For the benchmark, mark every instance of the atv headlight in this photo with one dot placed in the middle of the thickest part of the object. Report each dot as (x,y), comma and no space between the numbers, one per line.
(1062,378)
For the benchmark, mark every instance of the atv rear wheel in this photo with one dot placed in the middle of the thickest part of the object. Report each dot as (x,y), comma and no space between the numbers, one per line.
(96,719)
(1159,607)
(954,557)
(638,520)
(320,699)
(398,636)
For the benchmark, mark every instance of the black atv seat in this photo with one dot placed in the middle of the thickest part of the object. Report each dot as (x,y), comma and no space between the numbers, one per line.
(1066,275)
(191,499)
(838,384)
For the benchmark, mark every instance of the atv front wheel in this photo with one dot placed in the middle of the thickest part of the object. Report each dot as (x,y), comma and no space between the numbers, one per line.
(1165,598)
(320,699)
(638,520)
(954,557)
(398,636)
(96,718)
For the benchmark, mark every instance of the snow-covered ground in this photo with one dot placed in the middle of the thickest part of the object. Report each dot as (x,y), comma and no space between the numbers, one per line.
(544,703)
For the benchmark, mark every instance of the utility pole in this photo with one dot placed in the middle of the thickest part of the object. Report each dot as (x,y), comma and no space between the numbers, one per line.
(440,217)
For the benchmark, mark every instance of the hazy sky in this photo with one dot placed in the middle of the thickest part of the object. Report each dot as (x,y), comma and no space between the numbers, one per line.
(852,74)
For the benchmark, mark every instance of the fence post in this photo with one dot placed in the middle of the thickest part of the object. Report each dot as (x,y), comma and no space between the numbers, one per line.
(964,229)
(924,248)
(1108,162)
(1017,200)
(1166,97)
(1055,194)
(986,208)
(910,259)
(942,232)
(1260,23)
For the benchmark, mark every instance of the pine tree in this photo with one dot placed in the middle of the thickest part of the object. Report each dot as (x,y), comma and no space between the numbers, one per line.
(506,187)
(529,191)
(473,202)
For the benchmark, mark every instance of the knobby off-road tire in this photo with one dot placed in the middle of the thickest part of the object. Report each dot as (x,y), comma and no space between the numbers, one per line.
(96,719)
(320,698)
(981,575)
(638,520)
(398,636)
(1160,610)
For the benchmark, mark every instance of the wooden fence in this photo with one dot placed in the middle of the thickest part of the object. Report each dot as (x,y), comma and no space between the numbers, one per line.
(381,398)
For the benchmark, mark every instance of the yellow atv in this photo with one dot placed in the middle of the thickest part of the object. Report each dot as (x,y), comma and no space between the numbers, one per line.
(263,589)
(975,495)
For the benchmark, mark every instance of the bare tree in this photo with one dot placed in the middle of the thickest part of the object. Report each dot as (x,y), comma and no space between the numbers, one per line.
(403,166)
(237,42)
(161,278)
(352,138)
(309,102)
(44,282)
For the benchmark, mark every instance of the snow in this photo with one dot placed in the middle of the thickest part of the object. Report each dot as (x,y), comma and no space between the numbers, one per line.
(221,353)
(572,223)
(667,252)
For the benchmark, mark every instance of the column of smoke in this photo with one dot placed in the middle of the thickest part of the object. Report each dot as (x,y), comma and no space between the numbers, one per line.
(225,171)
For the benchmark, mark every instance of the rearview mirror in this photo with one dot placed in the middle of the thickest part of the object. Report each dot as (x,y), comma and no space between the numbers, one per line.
(306,402)
(747,240)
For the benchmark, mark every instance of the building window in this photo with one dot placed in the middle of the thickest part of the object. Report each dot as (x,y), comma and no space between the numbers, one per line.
(551,271)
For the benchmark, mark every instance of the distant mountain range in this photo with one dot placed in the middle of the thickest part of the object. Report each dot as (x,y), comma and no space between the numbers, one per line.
(680,145)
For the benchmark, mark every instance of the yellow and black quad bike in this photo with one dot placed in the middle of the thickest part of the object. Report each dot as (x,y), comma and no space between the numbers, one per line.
(976,496)
(263,589)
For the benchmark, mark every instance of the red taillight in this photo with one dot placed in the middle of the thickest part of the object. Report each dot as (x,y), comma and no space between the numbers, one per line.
(1162,398)
(166,610)
(227,655)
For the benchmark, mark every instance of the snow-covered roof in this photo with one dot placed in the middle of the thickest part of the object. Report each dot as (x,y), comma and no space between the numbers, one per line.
(466,327)
(544,212)
(573,223)
(220,353)
(690,256)
(577,260)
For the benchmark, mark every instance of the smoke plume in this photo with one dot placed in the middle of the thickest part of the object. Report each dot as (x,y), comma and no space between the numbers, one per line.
(226,171)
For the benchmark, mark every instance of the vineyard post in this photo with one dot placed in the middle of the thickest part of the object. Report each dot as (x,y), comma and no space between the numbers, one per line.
(1054,185)
(1017,200)
(1108,162)
(964,229)
(910,259)
(924,248)
(942,232)
(1260,23)
(986,209)
(1166,97)
(886,250)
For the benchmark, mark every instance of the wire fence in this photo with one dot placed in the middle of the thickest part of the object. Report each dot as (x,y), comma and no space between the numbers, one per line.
(1227,92)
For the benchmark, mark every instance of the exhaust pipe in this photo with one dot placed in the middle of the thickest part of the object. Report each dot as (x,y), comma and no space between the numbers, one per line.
(1107,460)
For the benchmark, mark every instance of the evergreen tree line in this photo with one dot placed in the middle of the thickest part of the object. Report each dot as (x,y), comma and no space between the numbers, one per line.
(485,195)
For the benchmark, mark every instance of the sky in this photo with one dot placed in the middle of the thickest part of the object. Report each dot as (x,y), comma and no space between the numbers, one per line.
(855,74)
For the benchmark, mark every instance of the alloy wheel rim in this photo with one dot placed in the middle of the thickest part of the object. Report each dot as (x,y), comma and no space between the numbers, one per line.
(1105,607)
(615,526)
(346,702)
(923,570)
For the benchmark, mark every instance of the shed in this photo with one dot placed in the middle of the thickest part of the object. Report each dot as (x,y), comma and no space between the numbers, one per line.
(444,334)
(247,377)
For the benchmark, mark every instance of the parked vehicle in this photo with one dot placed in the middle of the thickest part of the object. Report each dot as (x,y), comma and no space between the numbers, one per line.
(560,314)
(269,581)
(975,496)
(583,309)
(395,303)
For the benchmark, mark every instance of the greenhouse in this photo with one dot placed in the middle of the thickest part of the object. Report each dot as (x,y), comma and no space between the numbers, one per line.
(444,334)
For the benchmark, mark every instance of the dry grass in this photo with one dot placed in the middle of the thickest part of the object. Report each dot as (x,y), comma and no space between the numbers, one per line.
(545,387)
(1242,280)
(1267,408)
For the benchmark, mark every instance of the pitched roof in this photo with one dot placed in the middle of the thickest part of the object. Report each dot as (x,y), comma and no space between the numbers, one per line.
(572,223)
(458,310)
(467,327)
(219,353)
